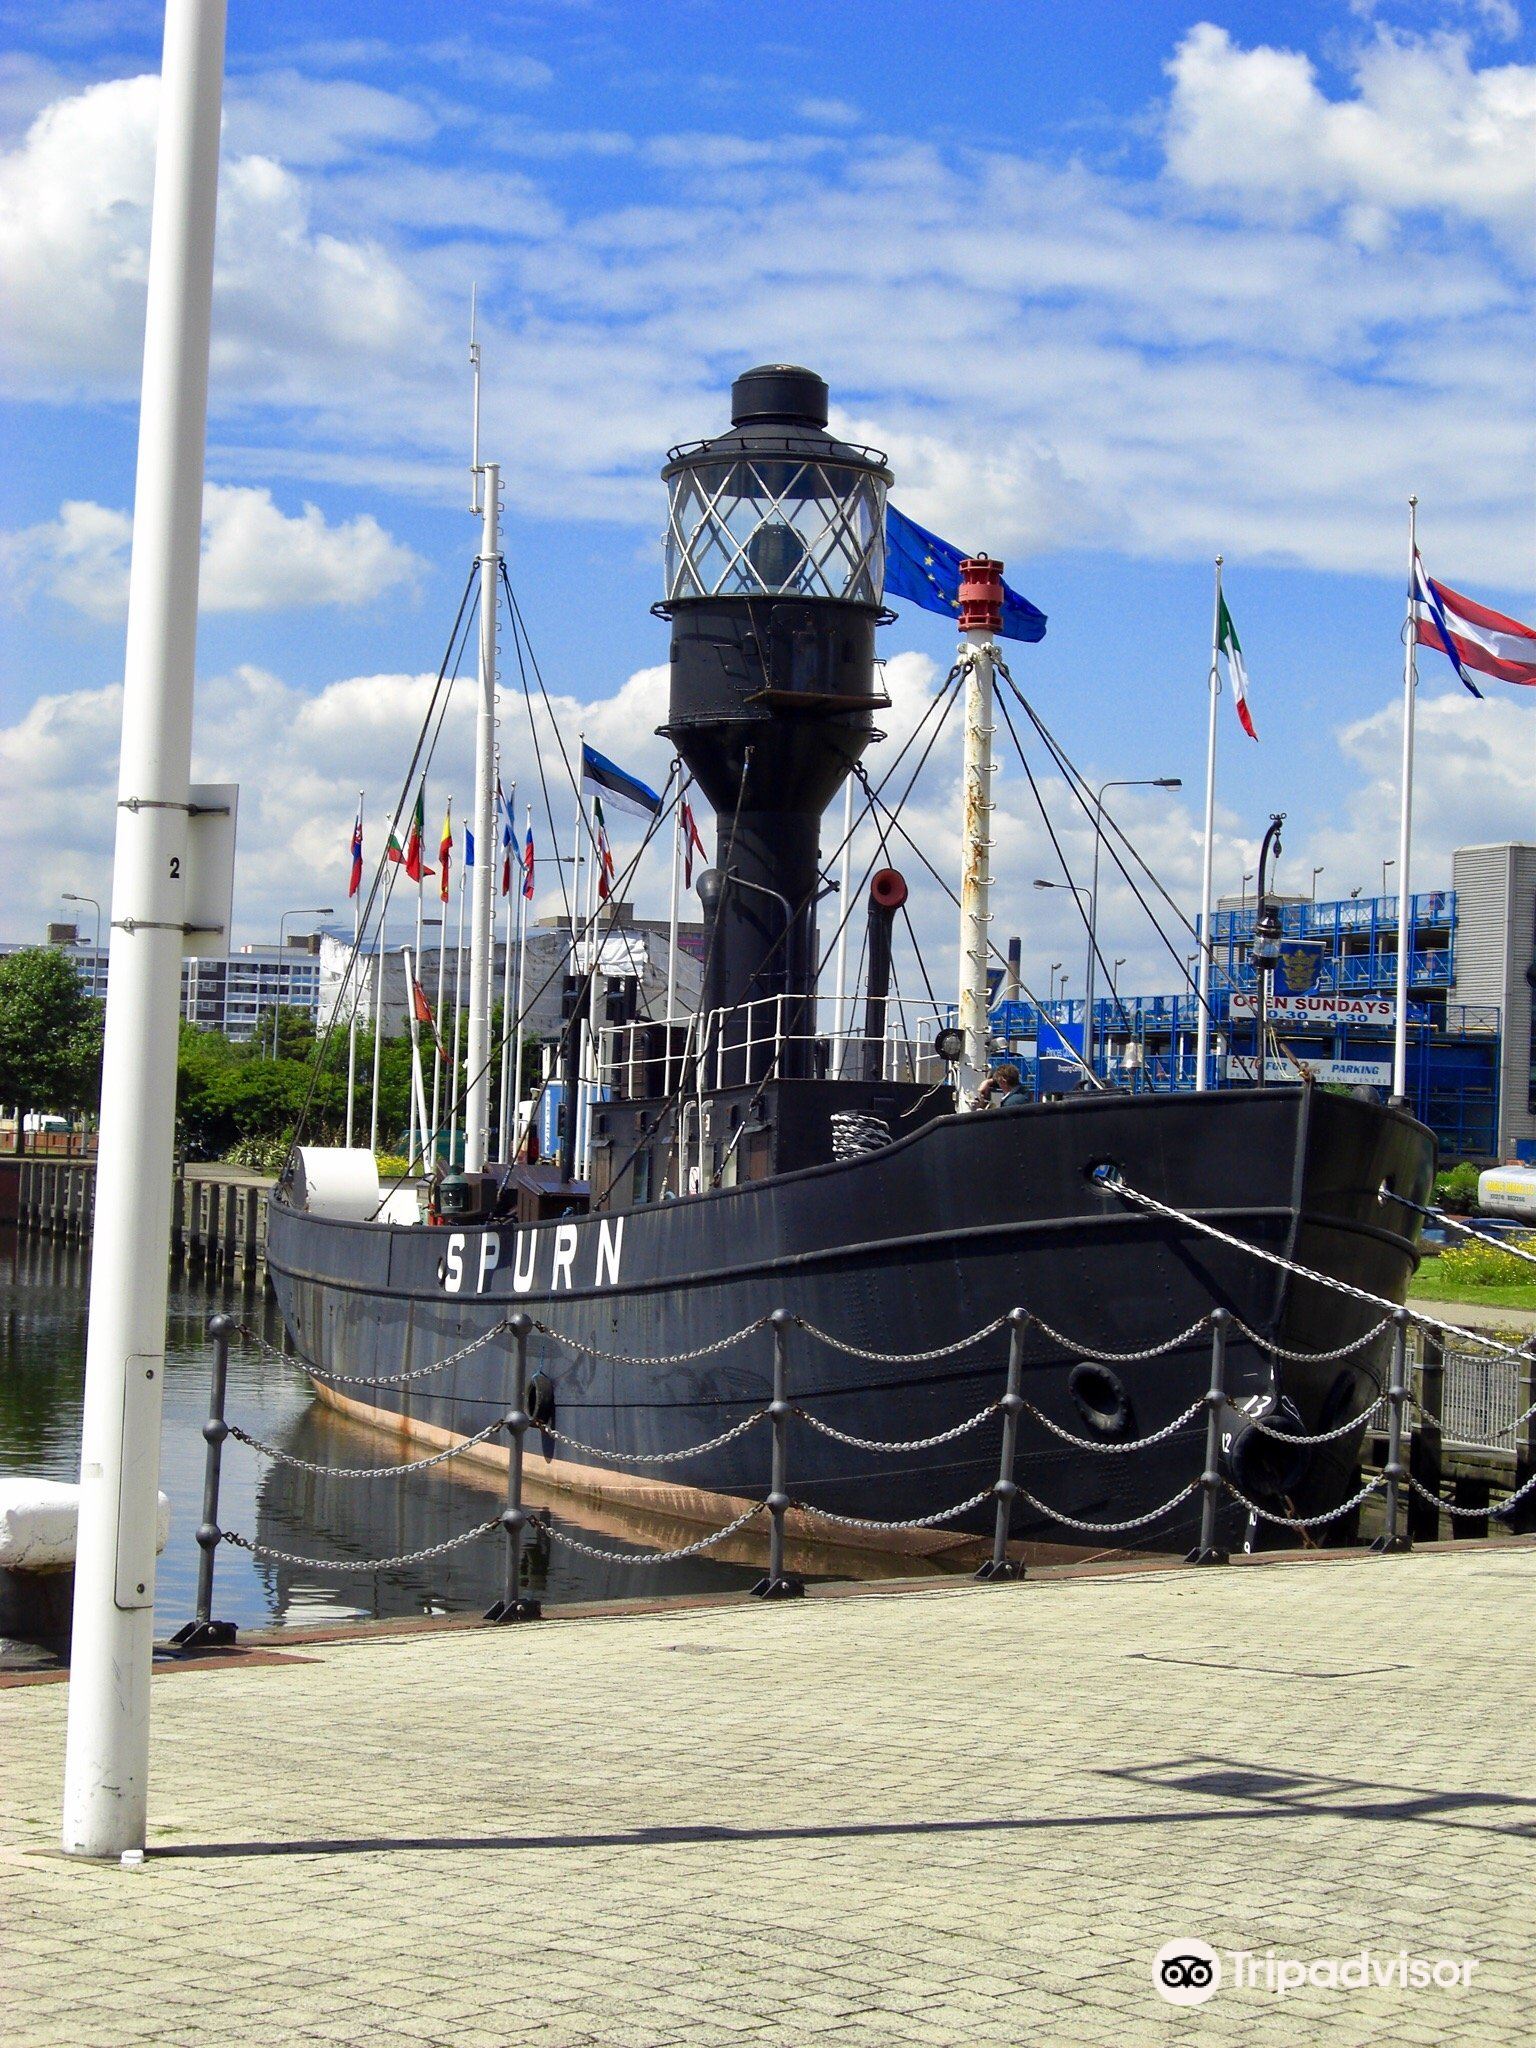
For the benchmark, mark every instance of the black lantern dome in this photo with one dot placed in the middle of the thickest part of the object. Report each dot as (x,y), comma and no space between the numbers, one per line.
(775,580)
(777,506)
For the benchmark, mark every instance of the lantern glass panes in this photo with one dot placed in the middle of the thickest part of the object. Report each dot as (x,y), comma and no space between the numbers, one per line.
(763,526)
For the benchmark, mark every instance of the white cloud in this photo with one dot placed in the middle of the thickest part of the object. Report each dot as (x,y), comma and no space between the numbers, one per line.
(255,557)
(74,213)
(1425,131)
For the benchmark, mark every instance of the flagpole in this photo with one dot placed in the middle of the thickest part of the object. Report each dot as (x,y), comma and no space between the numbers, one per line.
(418,1130)
(672,912)
(442,949)
(508,1020)
(378,1007)
(1207,859)
(357,942)
(522,984)
(418,1090)
(840,981)
(482,905)
(573,1108)
(458,1020)
(589,1064)
(1405,827)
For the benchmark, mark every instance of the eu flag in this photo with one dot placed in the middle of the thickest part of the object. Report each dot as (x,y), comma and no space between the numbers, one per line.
(926,570)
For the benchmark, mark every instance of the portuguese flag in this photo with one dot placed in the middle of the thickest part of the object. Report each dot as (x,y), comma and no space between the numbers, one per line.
(409,855)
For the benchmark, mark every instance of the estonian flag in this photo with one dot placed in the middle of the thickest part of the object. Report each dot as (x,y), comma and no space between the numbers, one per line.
(926,570)
(600,776)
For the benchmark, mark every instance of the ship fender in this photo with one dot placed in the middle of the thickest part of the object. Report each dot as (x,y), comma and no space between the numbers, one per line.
(1258,1463)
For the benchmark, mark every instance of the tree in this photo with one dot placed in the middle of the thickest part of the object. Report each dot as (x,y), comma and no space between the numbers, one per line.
(50,1034)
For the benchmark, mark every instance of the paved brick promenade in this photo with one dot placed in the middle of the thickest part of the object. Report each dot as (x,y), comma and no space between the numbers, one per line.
(961,1816)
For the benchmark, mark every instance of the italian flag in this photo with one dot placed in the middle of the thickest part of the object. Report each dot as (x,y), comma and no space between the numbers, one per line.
(409,855)
(1227,643)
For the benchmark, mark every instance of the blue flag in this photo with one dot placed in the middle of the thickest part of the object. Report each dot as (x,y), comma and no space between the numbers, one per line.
(926,570)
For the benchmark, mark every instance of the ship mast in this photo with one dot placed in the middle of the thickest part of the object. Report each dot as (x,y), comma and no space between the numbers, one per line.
(981,616)
(477,1099)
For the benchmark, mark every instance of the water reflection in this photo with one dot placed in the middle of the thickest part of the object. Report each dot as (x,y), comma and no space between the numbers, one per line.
(42,1361)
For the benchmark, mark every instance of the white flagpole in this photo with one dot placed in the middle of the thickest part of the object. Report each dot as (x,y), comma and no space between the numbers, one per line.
(418,1130)
(1405,828)
(508,1019)
(522,984)
(573,1109)
(106,1761)
(672,912)
(357,975)
(1203,1020)
(437,1014)
(418,1091)
(378,1006)
(840,1020)
(458,1021)
(589,1065)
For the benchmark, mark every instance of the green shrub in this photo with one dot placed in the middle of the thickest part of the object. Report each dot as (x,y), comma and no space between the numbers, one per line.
(260,1155)
(1479,1262)
(1456,1190)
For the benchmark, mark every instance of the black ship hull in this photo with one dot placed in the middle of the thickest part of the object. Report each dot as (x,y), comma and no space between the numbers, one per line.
(908,1249)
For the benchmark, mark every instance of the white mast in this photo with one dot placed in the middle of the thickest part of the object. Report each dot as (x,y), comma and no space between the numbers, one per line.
(508,1019)
(378,1007)
(418,1147)
(1405,826)
(106,1764)
(840,1019)
(1203,1020)
(458,1024)
(981,614)
(520,997)
(437,1014)
(672,914)
(357,977)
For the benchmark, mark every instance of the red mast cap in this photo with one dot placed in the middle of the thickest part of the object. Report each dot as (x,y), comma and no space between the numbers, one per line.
(981,594)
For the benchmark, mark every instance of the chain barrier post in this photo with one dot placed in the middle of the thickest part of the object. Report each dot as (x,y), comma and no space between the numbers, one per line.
(513,1606)
(1424,1445)
(779,1585)
(1000,1565)
(1395,1539)
(203,1632)
(1208,1550)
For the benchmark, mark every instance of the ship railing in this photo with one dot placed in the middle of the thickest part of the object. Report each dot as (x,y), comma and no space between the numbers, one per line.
(1232,1438)
(657,1057)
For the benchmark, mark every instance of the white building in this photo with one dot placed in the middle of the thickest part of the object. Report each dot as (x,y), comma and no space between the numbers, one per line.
(225,995)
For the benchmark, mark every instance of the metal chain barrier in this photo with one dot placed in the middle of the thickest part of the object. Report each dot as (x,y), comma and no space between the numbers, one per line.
(1120,1357)
(918,1521)
(1470,1514)
(1504,1429)
(671,1358)
(714,1443)
(388,1379)
(1326,1436)
(915,1443)
(1119,1186)
(708,1542)
(1308,1521)
(1139,1443)
(1110,1528)
(901,1357)
(360,1564)
(1312,1357)
(453,1450)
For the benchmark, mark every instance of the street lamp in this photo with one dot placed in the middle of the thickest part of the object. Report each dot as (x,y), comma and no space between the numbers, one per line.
(1136,782)
(69,896)
(1246,880)
(324,910)
(1386,864)
(1315,873)
(1114,986)
(1264,947)
(1055,969)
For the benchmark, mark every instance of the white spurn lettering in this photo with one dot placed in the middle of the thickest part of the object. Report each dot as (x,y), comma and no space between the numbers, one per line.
(490,1258)
(610,1249)
(565,1254)
(453,1263)
(522,1275)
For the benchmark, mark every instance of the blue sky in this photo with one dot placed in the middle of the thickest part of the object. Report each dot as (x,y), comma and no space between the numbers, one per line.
(1117,287)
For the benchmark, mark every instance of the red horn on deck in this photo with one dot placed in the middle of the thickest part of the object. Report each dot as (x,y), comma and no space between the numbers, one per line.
(887,889)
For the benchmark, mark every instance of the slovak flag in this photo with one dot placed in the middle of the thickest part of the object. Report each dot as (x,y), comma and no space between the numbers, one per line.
(691,840)
(528,865)
(1470,635)
(357,857)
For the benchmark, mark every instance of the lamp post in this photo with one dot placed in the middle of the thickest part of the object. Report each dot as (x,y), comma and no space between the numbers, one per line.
(1079,891)
(1315,873)
(1246,880)
(1055,970)
(325,910)
(1114,986)
(1386,867)
(69,896)
(1265,945)
(1135,782)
